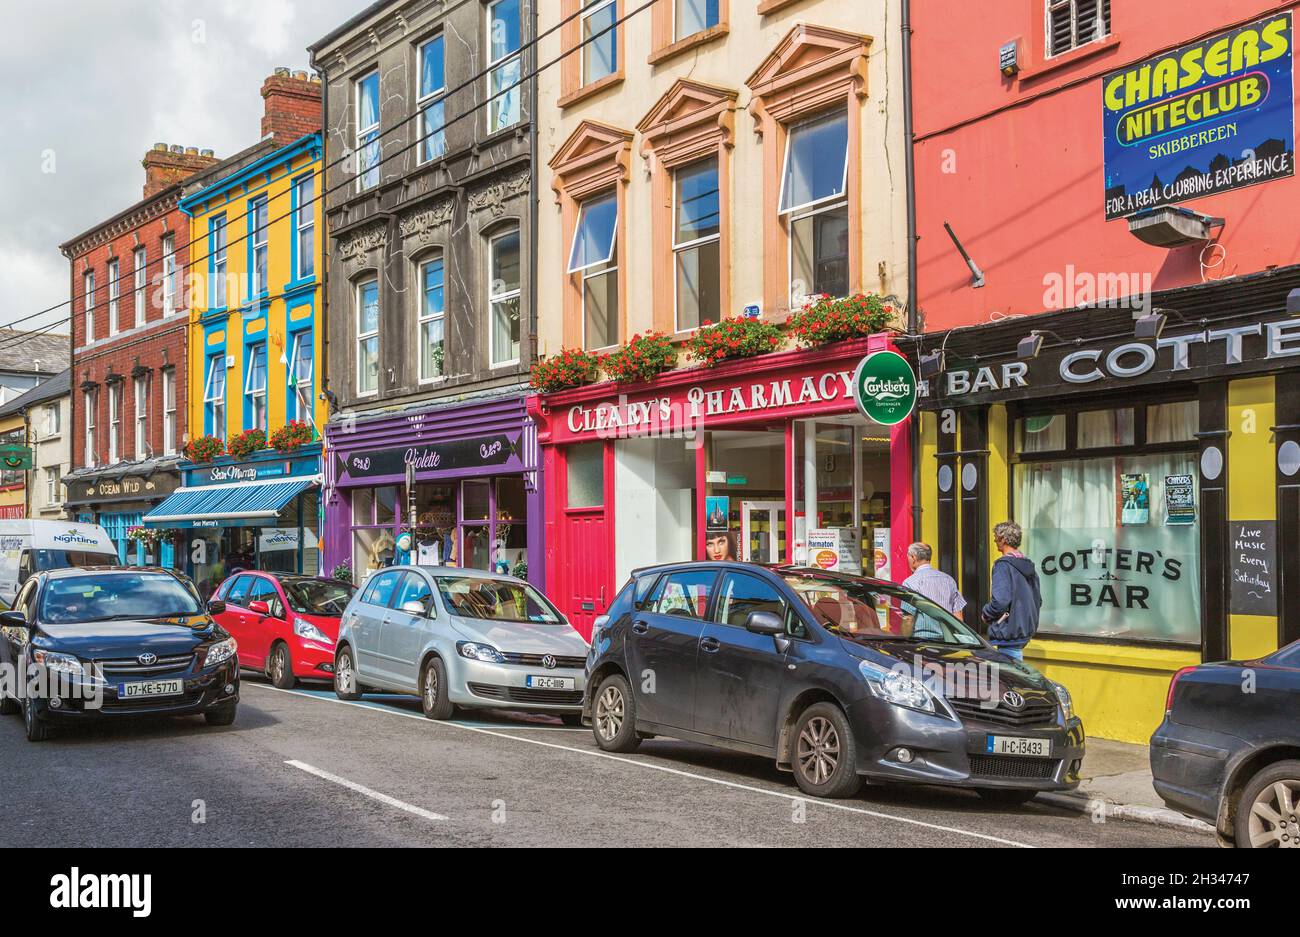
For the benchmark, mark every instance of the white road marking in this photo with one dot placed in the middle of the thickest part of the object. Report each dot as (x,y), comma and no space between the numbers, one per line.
(373,795)
(801,798)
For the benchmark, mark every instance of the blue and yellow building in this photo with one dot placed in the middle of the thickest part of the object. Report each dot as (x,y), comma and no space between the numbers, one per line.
(255,349)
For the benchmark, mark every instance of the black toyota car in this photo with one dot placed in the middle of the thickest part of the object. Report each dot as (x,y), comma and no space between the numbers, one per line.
(100,643)
(1229,749)
(836,677)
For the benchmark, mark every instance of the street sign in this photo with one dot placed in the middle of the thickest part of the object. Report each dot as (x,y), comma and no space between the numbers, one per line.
(14,458)
(885,388)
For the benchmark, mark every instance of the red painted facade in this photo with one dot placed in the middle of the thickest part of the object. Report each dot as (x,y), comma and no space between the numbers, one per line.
(1015,164)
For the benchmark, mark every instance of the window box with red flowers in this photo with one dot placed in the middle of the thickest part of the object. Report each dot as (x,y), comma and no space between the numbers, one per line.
(739,337)
(204,449)
(246,443)
(823,319)
(572,367)
(641,359)
(291,437)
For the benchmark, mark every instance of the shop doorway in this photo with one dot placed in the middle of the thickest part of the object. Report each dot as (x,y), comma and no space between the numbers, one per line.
(762,531)
(585,556)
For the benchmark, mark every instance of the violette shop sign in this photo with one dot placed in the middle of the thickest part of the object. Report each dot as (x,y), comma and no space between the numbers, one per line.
(457,454)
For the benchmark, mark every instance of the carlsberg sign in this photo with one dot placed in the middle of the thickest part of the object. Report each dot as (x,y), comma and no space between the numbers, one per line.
(885,388)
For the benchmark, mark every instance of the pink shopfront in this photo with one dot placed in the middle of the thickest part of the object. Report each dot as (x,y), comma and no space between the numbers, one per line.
(764,460)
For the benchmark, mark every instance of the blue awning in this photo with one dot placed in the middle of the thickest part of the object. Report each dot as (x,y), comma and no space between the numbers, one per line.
(233,504)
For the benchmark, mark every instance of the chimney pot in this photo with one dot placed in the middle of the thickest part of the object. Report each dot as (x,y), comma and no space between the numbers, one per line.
(177,148)
(160,147)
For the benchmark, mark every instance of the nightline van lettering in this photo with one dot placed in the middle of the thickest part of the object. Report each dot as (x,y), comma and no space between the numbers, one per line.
(73,537)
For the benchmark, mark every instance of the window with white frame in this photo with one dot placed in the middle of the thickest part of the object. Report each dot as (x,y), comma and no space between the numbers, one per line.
(813,200)
(368,337)
(368,143)
(168,274)
(255,387)
(141,285)
(142,417)
(599,54)
(432,319)
(88,402)
(595,239)
(169,411)
(505,37)
(1074,23)
(301,377)
(53,492)
(305,225)
(217,262)
(433,84)
(53,420)
(88,289)
(693,16)
(214,396)
(114,287)
(503,299)
(114,423)
(260,236)
(697,244)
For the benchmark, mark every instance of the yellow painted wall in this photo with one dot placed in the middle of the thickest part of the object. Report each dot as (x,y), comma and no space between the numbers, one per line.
(999,468)
(1252,493)
(281,235)
(929,494)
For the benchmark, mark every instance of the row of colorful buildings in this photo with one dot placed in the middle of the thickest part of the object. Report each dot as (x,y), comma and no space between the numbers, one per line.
(599,275)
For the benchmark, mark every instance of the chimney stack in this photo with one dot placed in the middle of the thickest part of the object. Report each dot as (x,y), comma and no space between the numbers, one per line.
(167,165)
(293,101)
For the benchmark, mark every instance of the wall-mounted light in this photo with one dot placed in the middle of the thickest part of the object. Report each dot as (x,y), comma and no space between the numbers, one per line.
(932,364)
(1151,326)
(1293,302)
(976,274)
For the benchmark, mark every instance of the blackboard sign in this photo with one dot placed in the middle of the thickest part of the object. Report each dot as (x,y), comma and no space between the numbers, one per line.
(1252,558)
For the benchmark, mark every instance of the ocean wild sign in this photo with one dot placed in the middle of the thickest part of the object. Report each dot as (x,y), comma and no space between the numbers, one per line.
(885,388)
(1208,117)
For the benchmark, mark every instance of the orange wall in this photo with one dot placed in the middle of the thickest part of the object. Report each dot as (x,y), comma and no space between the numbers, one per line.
(1015,165)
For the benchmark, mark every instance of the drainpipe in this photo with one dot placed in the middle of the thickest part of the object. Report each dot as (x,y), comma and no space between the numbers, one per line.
(536,558)
(913,318)
(324,546)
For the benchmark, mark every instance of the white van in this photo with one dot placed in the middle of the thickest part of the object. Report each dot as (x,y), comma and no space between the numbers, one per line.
(28,547)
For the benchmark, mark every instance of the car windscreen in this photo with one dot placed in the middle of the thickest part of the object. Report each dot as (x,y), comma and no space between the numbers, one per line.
(318,596)
(116,597)
(496,600)
(870,612)
(73,559)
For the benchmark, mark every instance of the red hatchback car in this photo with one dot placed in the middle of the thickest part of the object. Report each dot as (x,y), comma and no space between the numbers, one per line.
(286,625)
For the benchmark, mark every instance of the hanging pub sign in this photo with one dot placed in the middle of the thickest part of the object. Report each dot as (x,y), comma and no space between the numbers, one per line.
(457,454)
(15,458)
(1205,118)
(884,387)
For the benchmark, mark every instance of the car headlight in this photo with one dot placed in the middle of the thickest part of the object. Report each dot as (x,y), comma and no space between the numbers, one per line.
(221,652)
(58,663)
(306,630)
(898,688)
(483,652)
(1067,703)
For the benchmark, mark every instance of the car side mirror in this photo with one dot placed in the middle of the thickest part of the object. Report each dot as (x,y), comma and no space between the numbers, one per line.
(216,607)
(417,607)
(768,623)
(260,608)
(14,620)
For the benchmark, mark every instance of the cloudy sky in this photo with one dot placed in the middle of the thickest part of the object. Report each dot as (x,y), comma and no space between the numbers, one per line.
(91,85)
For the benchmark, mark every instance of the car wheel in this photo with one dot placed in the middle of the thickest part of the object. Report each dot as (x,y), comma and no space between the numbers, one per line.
(433,691)
(825,753)
(572,720)
(1268,814)
(613,717)
(223,716)
(38,730)
(345,676)
(279,668)
(8,706)
(1008,796)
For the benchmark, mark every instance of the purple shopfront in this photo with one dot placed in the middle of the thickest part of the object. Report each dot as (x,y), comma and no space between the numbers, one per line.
(478,495)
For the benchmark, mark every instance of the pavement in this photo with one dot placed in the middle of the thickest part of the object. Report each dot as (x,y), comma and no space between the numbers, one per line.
(301,768)
(1117,783)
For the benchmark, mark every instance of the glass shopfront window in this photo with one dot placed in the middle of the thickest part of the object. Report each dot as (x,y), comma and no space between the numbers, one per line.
(654,502)
(1116,537)
(744,508)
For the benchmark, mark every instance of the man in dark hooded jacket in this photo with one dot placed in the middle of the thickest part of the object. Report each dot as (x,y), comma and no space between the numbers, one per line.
(1012,613)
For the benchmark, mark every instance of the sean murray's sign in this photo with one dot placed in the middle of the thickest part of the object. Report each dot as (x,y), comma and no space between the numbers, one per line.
(1257,346)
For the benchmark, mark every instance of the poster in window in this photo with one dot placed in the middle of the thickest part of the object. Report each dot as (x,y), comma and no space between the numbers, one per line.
(1180,500)
(719,546)
(1135,499)
(717,511)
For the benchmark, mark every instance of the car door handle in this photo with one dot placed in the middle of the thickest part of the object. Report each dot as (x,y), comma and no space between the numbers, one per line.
(641,627)
(388,619)
(710,645)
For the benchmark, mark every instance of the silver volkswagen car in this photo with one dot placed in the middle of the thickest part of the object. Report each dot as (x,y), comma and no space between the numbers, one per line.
(460,637)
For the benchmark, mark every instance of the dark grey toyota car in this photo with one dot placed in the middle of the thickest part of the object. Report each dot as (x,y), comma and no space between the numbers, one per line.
(835,677)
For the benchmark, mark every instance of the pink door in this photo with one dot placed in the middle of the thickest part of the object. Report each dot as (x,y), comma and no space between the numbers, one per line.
(586,555)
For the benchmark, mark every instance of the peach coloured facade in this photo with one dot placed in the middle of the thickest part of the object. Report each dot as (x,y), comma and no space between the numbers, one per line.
(728,91)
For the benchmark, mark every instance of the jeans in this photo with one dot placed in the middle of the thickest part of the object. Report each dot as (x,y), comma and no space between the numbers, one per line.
(1015,653)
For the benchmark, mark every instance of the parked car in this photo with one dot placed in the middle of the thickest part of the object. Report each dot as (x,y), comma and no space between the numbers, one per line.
(28,547)
(1228,751)
(459,637)
(109,643)
(817,671)
(286,625)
